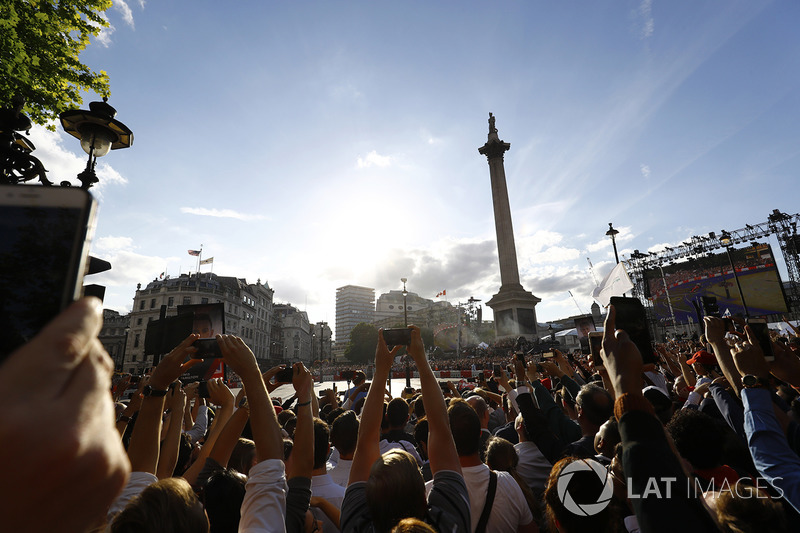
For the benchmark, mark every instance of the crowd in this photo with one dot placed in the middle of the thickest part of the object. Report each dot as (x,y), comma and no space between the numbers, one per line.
(705,439)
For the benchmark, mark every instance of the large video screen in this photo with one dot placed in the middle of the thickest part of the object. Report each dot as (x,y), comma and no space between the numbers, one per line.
(711,275)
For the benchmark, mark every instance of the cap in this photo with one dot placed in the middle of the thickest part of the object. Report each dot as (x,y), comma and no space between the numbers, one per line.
(704,358)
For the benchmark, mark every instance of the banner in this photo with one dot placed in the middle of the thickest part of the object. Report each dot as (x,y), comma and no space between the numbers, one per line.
(616,283)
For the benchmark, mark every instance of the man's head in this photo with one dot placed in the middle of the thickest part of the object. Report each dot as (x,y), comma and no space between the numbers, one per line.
(359,377)
(322,445)
(702,362)
(466,427)
(168,505)
(607,438)
(697,437)
(397,413)
(344,433)
(203,326)
(595,406)
(479,404)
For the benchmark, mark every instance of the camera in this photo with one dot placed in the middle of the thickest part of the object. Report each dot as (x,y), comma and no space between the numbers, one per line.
(397,337)
(284,376)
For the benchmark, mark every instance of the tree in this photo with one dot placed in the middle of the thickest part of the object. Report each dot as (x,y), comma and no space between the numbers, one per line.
(363,341)
(40,42)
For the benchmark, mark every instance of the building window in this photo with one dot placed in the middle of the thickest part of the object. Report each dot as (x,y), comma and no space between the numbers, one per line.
(391,307)
(187,300)
(171,301)
(141,305)
(139,321)
(152,303)
(203,300)
(136,342)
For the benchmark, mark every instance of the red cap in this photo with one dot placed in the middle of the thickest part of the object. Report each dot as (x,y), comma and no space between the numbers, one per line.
(704,358)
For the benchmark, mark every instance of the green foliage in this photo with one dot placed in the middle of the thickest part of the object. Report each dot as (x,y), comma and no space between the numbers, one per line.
(40,42)
(363,341)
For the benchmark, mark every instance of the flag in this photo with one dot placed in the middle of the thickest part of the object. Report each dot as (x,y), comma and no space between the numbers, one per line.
(161,276)
(443,293)
(614,284)
(207,261)
(194,252)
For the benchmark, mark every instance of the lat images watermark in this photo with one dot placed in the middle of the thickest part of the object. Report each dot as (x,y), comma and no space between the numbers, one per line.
(667,487)
(584,509)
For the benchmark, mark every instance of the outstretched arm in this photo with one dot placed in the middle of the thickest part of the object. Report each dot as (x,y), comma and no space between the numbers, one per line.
(369,431)
(441,447)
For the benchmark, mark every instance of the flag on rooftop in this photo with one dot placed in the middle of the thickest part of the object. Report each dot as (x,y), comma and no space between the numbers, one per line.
(614,284)
(194,252)
(443,293)
(207,261)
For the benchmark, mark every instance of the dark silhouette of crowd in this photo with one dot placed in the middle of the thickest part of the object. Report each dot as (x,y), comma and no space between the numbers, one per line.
(704,439)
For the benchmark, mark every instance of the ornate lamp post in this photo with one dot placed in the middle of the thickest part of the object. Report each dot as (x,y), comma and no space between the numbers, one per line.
(613,234)
(96,128)
(98,132)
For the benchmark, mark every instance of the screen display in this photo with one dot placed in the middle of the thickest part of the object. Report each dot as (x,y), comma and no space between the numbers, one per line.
(37,252)
(711,275)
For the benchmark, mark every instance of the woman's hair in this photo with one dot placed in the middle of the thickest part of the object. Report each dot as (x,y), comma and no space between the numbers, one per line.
(395,472)
(412,525)
(243,456)
(584,487)
(167,506)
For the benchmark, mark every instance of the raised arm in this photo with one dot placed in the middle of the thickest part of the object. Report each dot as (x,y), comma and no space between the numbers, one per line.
(263,420)
(369,431)
(143,449)
(170,444)
(441,447)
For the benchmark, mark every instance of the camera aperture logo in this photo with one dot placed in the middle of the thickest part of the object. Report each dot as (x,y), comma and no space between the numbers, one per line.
(584,509)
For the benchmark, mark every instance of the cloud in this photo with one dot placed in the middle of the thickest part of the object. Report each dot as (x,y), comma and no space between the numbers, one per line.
(648,24)
(125,11)
(104,244)
(373,159)
(220,213)
(104,37)
(645,170)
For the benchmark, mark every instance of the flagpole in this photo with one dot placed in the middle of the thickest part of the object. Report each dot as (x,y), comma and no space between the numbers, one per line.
(199,257)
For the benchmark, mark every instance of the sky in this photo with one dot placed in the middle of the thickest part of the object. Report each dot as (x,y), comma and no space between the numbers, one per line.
(313,145)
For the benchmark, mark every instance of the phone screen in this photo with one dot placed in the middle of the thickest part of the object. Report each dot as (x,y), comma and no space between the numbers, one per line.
(43,254)
(397,337)
(632,318)
(596,344)
(761,331)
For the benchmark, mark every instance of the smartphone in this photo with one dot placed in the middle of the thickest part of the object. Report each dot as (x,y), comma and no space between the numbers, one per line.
(397,337)
(548,355)
(536,358)
(44,251)
(596,344)
(284,376)
(761,331)
(632,318)
(520,356)
(497,371)
(727,324)
(207,349)
(202,389)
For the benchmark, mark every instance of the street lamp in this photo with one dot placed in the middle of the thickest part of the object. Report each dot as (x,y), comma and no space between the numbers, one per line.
(613,234)
(98,132)
(727,242)
(405,306)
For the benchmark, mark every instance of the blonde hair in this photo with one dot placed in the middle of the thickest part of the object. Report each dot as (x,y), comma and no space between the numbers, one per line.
(395,490)
(412,525)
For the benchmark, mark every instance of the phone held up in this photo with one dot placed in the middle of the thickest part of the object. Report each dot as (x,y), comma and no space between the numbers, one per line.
(596,344)
(632,318)
(44,254)
(397,337)
(761,331)
(285,375)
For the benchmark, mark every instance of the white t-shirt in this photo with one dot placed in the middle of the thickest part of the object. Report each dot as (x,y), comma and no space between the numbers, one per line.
(509,510)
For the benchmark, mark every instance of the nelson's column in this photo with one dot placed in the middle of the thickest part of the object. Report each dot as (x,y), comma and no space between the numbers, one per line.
(514,308)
